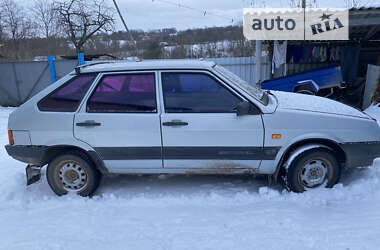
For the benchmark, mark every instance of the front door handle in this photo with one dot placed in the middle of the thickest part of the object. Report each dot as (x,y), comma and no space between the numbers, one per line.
(175,123)
(88,123)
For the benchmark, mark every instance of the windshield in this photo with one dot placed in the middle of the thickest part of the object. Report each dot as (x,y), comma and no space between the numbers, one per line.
(254,91)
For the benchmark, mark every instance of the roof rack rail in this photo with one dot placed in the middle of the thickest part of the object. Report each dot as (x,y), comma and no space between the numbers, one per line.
(78,68)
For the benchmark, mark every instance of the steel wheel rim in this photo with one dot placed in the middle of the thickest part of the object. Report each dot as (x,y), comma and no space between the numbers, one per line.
(314,173)
(72,176)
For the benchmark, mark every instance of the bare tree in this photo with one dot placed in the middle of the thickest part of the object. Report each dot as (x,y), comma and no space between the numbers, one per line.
(16,24)
(82,19)
(46,18)
(298,3)
(314,3)
(2,32)
(353,3)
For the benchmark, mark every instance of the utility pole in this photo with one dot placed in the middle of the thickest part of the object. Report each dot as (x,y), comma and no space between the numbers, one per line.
(304,18)
(258,53)
(126,28)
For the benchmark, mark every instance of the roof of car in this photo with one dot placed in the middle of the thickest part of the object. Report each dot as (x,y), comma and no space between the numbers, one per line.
(105,66)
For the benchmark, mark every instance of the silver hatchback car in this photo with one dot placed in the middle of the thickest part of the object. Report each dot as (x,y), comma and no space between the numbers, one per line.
(183,117)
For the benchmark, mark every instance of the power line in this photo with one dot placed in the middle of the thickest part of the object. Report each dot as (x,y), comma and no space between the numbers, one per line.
(204,12)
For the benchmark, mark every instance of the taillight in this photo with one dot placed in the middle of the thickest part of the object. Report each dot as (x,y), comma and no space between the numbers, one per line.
(10,137)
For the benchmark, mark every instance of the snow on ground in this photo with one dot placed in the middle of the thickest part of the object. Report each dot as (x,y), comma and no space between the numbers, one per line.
(187,212)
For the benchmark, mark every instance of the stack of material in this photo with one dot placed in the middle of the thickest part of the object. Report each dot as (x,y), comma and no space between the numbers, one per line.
(372,86)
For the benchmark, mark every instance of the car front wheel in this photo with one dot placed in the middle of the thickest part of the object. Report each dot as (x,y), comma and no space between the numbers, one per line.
(72,173)
(311,169)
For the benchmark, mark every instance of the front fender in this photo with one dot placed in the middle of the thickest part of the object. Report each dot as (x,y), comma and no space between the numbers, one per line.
(273,167)
(305,139)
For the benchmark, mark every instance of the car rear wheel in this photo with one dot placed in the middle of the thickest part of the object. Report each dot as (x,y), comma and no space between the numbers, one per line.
(307,90)
(72,173)
(312,169)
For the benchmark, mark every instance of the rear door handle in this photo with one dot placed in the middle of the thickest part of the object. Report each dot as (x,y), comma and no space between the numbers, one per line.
(88,123)
(175,123)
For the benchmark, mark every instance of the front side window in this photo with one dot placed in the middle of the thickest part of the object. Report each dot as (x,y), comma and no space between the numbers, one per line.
(67,97)
(125,93)
(196,93)
(252,90)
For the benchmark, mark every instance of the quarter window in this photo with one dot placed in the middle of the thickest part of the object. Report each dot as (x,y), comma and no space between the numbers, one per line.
(196,93)
(67,97)
(128,93)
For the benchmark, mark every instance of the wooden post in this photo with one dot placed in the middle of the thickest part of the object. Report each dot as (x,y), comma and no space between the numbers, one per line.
(375,97)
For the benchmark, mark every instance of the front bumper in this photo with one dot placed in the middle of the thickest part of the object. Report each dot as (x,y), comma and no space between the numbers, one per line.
(361,154)
(29,154)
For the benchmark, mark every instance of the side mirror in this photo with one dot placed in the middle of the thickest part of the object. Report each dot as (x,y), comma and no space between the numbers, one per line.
(246,108)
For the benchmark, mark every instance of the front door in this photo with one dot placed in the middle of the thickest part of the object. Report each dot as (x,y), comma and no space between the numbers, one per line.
(121,121)
(200,128)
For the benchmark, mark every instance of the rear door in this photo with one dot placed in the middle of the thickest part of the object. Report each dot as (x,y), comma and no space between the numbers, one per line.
(200,128)
(121,121)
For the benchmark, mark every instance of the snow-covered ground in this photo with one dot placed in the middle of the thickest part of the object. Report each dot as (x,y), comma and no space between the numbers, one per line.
(187,212)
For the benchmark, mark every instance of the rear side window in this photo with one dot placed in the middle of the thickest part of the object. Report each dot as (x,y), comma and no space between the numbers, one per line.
(67,97)
(127,93)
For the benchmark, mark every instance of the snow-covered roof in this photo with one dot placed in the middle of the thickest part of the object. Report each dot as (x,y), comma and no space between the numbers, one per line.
(146,65)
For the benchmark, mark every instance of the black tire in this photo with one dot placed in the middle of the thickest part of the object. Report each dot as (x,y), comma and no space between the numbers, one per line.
(308,166)
(307,90)
(73,172)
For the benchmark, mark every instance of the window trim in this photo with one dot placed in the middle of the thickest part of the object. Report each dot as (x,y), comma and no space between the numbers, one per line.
(64,85)
(105,74)
(204,72)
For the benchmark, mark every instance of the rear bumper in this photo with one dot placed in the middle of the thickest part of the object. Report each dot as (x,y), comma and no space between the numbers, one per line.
(29,154)
(41,155)
(361,154)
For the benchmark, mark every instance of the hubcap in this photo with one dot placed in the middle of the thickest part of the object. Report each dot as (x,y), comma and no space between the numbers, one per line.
(72,176)
(313,173)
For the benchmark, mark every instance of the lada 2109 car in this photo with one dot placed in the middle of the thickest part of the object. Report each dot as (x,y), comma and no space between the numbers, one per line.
(183,117)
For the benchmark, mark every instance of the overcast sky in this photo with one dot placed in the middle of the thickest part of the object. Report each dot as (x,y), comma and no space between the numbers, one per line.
(157,14)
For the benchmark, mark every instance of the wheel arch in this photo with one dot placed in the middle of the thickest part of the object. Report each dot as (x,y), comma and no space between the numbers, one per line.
(307,88)
(56,150)
(329,144)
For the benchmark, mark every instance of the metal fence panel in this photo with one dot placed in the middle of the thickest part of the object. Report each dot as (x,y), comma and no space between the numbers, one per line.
(64,67)
(8,89)
(244,67)
(29,78)
(19,81)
